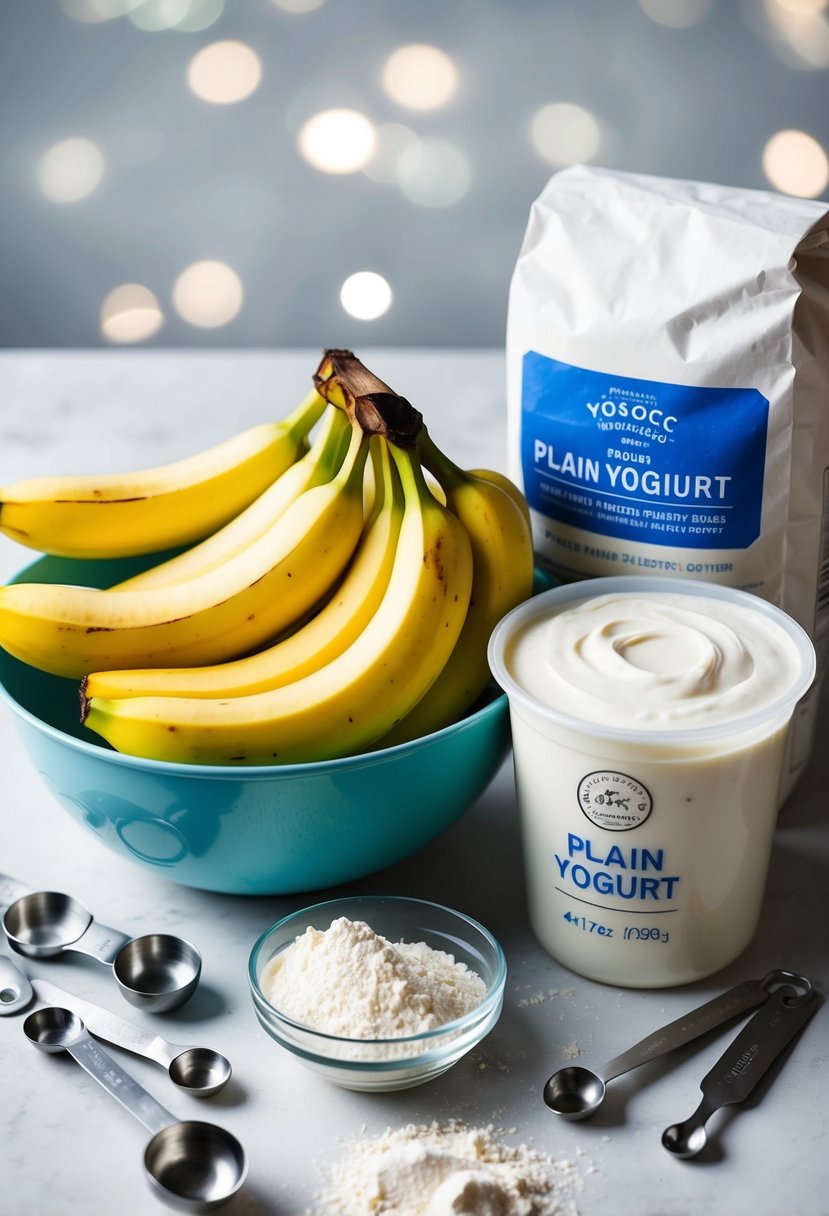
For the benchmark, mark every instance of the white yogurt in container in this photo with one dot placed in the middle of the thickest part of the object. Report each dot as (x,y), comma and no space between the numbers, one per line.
(649,720)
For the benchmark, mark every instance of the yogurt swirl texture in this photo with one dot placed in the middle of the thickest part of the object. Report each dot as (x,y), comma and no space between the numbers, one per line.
(658,661)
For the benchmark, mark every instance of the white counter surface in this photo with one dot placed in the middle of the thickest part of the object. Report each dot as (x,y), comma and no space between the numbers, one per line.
(66,1148)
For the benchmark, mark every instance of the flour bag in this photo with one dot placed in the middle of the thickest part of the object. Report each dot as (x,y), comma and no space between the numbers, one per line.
(668,390)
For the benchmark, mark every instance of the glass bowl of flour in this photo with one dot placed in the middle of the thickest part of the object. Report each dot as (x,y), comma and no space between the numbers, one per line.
(377,992)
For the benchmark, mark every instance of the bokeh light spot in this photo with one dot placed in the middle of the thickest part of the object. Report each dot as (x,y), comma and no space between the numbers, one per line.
(434,173)
(337,141)
(224,72)
(93,11)
(799,8)
(208,294)
(365,295)
(565,134)
(70,170)
(392,140)
(130,313)
(795,163)
(187,16)
(297,6)
(678,14)
(800,31)
(811,44)
(421,77)
(200,15)
(154,15)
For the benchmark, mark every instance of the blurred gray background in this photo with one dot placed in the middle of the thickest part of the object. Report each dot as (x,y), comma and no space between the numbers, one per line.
(191,172)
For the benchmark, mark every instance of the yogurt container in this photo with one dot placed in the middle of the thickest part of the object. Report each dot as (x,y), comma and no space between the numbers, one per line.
(649,722)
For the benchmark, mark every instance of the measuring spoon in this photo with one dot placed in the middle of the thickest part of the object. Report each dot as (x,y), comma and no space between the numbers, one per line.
(742,1065)
(198,1071)
(156,972)
(576,1093)
(192,1165)
(15,990)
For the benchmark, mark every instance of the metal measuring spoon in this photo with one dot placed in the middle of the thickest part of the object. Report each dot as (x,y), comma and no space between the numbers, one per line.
(576,1093)
(198,1071)
(155,972)
(15,990)
(742,1065)
(191,1165)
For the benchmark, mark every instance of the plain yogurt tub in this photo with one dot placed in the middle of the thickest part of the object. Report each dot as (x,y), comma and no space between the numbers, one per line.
(649,722)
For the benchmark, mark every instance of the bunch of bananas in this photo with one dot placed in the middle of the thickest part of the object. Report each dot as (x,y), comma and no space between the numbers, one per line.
(340,598)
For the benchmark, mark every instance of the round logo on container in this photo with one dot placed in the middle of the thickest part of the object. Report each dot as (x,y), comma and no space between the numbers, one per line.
(614,801)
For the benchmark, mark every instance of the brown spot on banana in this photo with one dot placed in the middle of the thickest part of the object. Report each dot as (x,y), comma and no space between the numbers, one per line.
(10,531)
(84,699)
(99,501)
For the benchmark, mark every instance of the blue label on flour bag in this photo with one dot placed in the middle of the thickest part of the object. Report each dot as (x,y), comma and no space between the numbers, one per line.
(640,460)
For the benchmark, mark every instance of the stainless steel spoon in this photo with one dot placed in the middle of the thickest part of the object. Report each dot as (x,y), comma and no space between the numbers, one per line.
(191,1165)
(576,1093)
(199,1071)
(156,972)
(742,1065)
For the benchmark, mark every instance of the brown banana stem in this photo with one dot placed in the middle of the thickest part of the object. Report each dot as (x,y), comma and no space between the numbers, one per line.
(345,382)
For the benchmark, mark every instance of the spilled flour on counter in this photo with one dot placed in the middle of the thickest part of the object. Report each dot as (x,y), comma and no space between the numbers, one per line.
(348,980)
(447,1170)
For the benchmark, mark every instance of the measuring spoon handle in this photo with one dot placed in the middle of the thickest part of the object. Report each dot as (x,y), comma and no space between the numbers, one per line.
(109,1026)
(756,1047)
(100,942)
(15,988)
(690,1026)
(124,1088)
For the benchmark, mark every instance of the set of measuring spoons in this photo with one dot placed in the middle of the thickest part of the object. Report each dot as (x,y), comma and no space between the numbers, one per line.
(784,1003)
(156,972)
(190,1164)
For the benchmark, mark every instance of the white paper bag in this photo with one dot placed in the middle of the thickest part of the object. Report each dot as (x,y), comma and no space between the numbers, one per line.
(668,388)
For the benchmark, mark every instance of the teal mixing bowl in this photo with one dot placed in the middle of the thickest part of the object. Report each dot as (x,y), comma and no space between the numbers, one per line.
(258,830)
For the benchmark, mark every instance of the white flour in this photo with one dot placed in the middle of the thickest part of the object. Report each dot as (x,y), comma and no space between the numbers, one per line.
(350,981)
(449,1170)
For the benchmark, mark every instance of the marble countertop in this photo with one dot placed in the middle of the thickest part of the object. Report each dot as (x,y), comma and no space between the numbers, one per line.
(65,1148)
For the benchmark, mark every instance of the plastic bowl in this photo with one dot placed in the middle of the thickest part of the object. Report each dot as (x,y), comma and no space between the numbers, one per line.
(385,1064)
(257,830)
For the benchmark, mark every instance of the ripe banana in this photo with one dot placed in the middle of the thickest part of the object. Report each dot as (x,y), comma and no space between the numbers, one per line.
(227,611)
(316,467)
(120,514)
(509,487)
(347,705)
(328,633)
(502,556)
